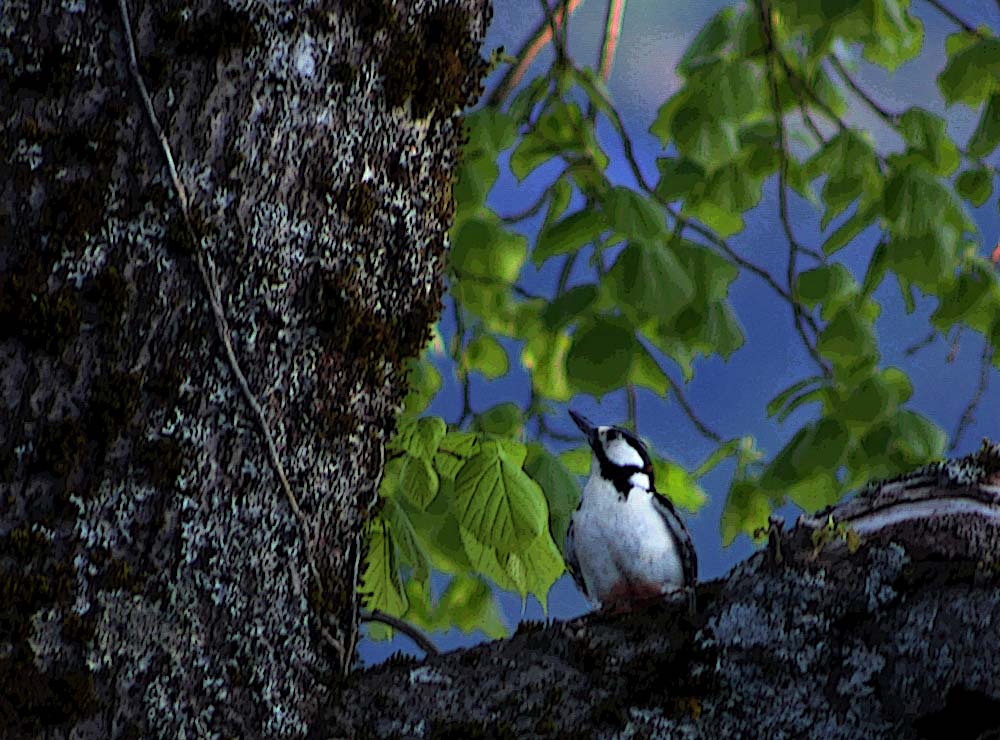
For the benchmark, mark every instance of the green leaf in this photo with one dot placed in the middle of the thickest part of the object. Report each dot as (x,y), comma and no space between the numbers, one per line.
(496,502)
(453,451)
(577,460)
(423,381)
(544,355)
(975,185)
(559,131)
(842,236)
(381,585)
(485,355)
(678,177)
(702,136)
(502,420)
(648,280)
(852,170)
(482,248)
(927,134)
(847,339)
(746,510)
(987,134)
(420,437)
(418,481)
(971,74)
(778,402)
(467,604)
(711,40)
(601,355)
(408,546)
(559,487)
(569,234)
(678,485)
(896,35)
(500,567)
(569,306)
(832,285)
(971,299)
(647,373)
(541,564)
(633,216)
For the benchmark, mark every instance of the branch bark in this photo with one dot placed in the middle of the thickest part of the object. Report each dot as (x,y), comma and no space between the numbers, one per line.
(872,619)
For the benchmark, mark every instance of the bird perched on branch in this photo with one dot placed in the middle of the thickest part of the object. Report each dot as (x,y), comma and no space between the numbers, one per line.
(626,544)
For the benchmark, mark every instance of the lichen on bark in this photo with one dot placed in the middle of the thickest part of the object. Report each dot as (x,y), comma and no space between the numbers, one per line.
(153,579)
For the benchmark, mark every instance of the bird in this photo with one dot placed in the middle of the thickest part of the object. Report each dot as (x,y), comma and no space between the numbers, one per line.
(625,544)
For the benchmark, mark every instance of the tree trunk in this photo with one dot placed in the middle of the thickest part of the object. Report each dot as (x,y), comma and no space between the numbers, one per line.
(880,622)
(157,575)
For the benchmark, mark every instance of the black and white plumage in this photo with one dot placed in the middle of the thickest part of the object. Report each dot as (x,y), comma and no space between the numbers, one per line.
(625,541)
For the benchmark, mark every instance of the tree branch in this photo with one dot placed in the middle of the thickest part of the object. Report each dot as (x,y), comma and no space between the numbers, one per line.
(968,416)
(612,30)
(888,116)
(539,38)
(793,245)
(422,641)
(955,19)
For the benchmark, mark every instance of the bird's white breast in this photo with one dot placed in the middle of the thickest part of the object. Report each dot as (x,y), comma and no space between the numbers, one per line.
(619,539)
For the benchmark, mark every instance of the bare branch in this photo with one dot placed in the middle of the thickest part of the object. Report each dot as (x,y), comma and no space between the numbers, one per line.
(955,19)
(888,116)
(968,416)
(538,40)
(793,246)
(612,30)
(422,641)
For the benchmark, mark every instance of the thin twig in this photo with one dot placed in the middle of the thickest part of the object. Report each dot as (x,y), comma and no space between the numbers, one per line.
(702,428)
(539,38)
(888,116)
(423,642)
(793,246)
(535,207)
(955,19)
(206,268)
(713,239)
(810,123)
(612,31)
(968,416)
(921,344)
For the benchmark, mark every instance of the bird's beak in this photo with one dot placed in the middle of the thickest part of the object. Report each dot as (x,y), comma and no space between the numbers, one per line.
(585,426)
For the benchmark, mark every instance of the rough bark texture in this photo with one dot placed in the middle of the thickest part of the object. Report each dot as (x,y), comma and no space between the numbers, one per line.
(153,578)
(882,624)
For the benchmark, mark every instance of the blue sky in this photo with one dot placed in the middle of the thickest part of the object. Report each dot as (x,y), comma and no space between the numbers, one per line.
(730,396)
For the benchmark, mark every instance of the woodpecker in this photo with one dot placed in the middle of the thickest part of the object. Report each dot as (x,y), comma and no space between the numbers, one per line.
(625,543)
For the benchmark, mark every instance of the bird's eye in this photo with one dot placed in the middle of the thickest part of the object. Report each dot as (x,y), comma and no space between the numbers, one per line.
(612,435)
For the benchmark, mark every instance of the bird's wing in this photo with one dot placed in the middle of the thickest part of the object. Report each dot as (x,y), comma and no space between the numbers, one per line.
(572,564)
(689,559)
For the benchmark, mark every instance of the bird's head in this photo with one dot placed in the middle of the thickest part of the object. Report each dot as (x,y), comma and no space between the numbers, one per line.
(619,456)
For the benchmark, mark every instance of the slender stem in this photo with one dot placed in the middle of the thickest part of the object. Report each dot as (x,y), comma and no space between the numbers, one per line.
(793,246)
(535,207)
(456,355)
(921,344)
(889,117)
(713,239)
(955,19)
(422,641)
(968,416)
(564,274)
(701,426)
(612,31)
(539,38)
